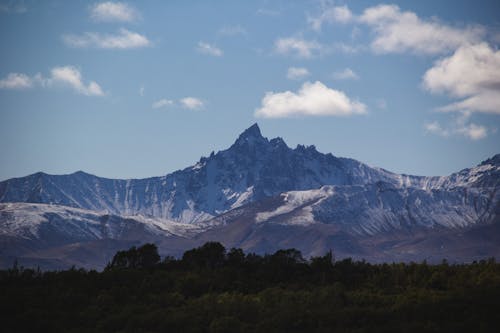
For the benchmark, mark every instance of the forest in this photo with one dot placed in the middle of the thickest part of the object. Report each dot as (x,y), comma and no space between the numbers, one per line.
(212,289)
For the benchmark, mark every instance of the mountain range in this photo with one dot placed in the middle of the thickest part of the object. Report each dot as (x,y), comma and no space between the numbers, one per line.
(260,195)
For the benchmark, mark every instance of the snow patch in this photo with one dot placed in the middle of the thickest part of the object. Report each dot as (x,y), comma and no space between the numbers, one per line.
(294,200)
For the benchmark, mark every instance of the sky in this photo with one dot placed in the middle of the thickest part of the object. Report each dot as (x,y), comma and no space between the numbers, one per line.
(141,89)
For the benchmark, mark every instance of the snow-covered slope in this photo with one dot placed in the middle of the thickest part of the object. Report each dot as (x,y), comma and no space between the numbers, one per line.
(55,237)
(67,224)
(382,207)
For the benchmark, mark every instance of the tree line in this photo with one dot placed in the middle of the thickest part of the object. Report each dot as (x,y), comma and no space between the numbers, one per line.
(211,289)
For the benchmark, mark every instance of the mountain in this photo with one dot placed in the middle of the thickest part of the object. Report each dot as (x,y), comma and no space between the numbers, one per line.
(260,195)
(251,169)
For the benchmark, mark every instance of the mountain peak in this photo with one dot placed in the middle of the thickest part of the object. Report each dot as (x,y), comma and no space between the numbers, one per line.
(252,131)
(251,135)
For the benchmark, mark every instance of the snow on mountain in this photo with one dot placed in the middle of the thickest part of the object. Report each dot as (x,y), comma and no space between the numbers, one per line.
(58,237)
(382,207)
(252,195)
(297,206)
(27,220)
(251,169)
(33,221)
(463,199)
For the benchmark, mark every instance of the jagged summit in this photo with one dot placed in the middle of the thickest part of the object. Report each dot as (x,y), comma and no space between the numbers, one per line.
(251,135)
(252,131)
(253,138)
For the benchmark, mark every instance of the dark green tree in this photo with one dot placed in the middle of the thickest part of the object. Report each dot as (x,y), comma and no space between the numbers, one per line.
(210,255)
(145,256)
(235,257)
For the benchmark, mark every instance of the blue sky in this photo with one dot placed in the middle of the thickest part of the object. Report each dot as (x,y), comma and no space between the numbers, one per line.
(138,89)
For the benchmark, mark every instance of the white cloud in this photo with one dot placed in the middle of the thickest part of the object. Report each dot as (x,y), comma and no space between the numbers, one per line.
(209,49)
(16,81)
(113,12)
(312,99)
(232,30)
(436,128)
(345,74)
(124,39)
(141,91)
(162,103)
(472,73)
(297,46)
(297,73)
(66,75)
(398,32)
(459,126)
(341,14)
(192,103)
(487,101)
(71,76)
(473,131)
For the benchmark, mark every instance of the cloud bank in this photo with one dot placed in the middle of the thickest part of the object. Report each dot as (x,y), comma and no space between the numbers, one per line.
(468,70)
